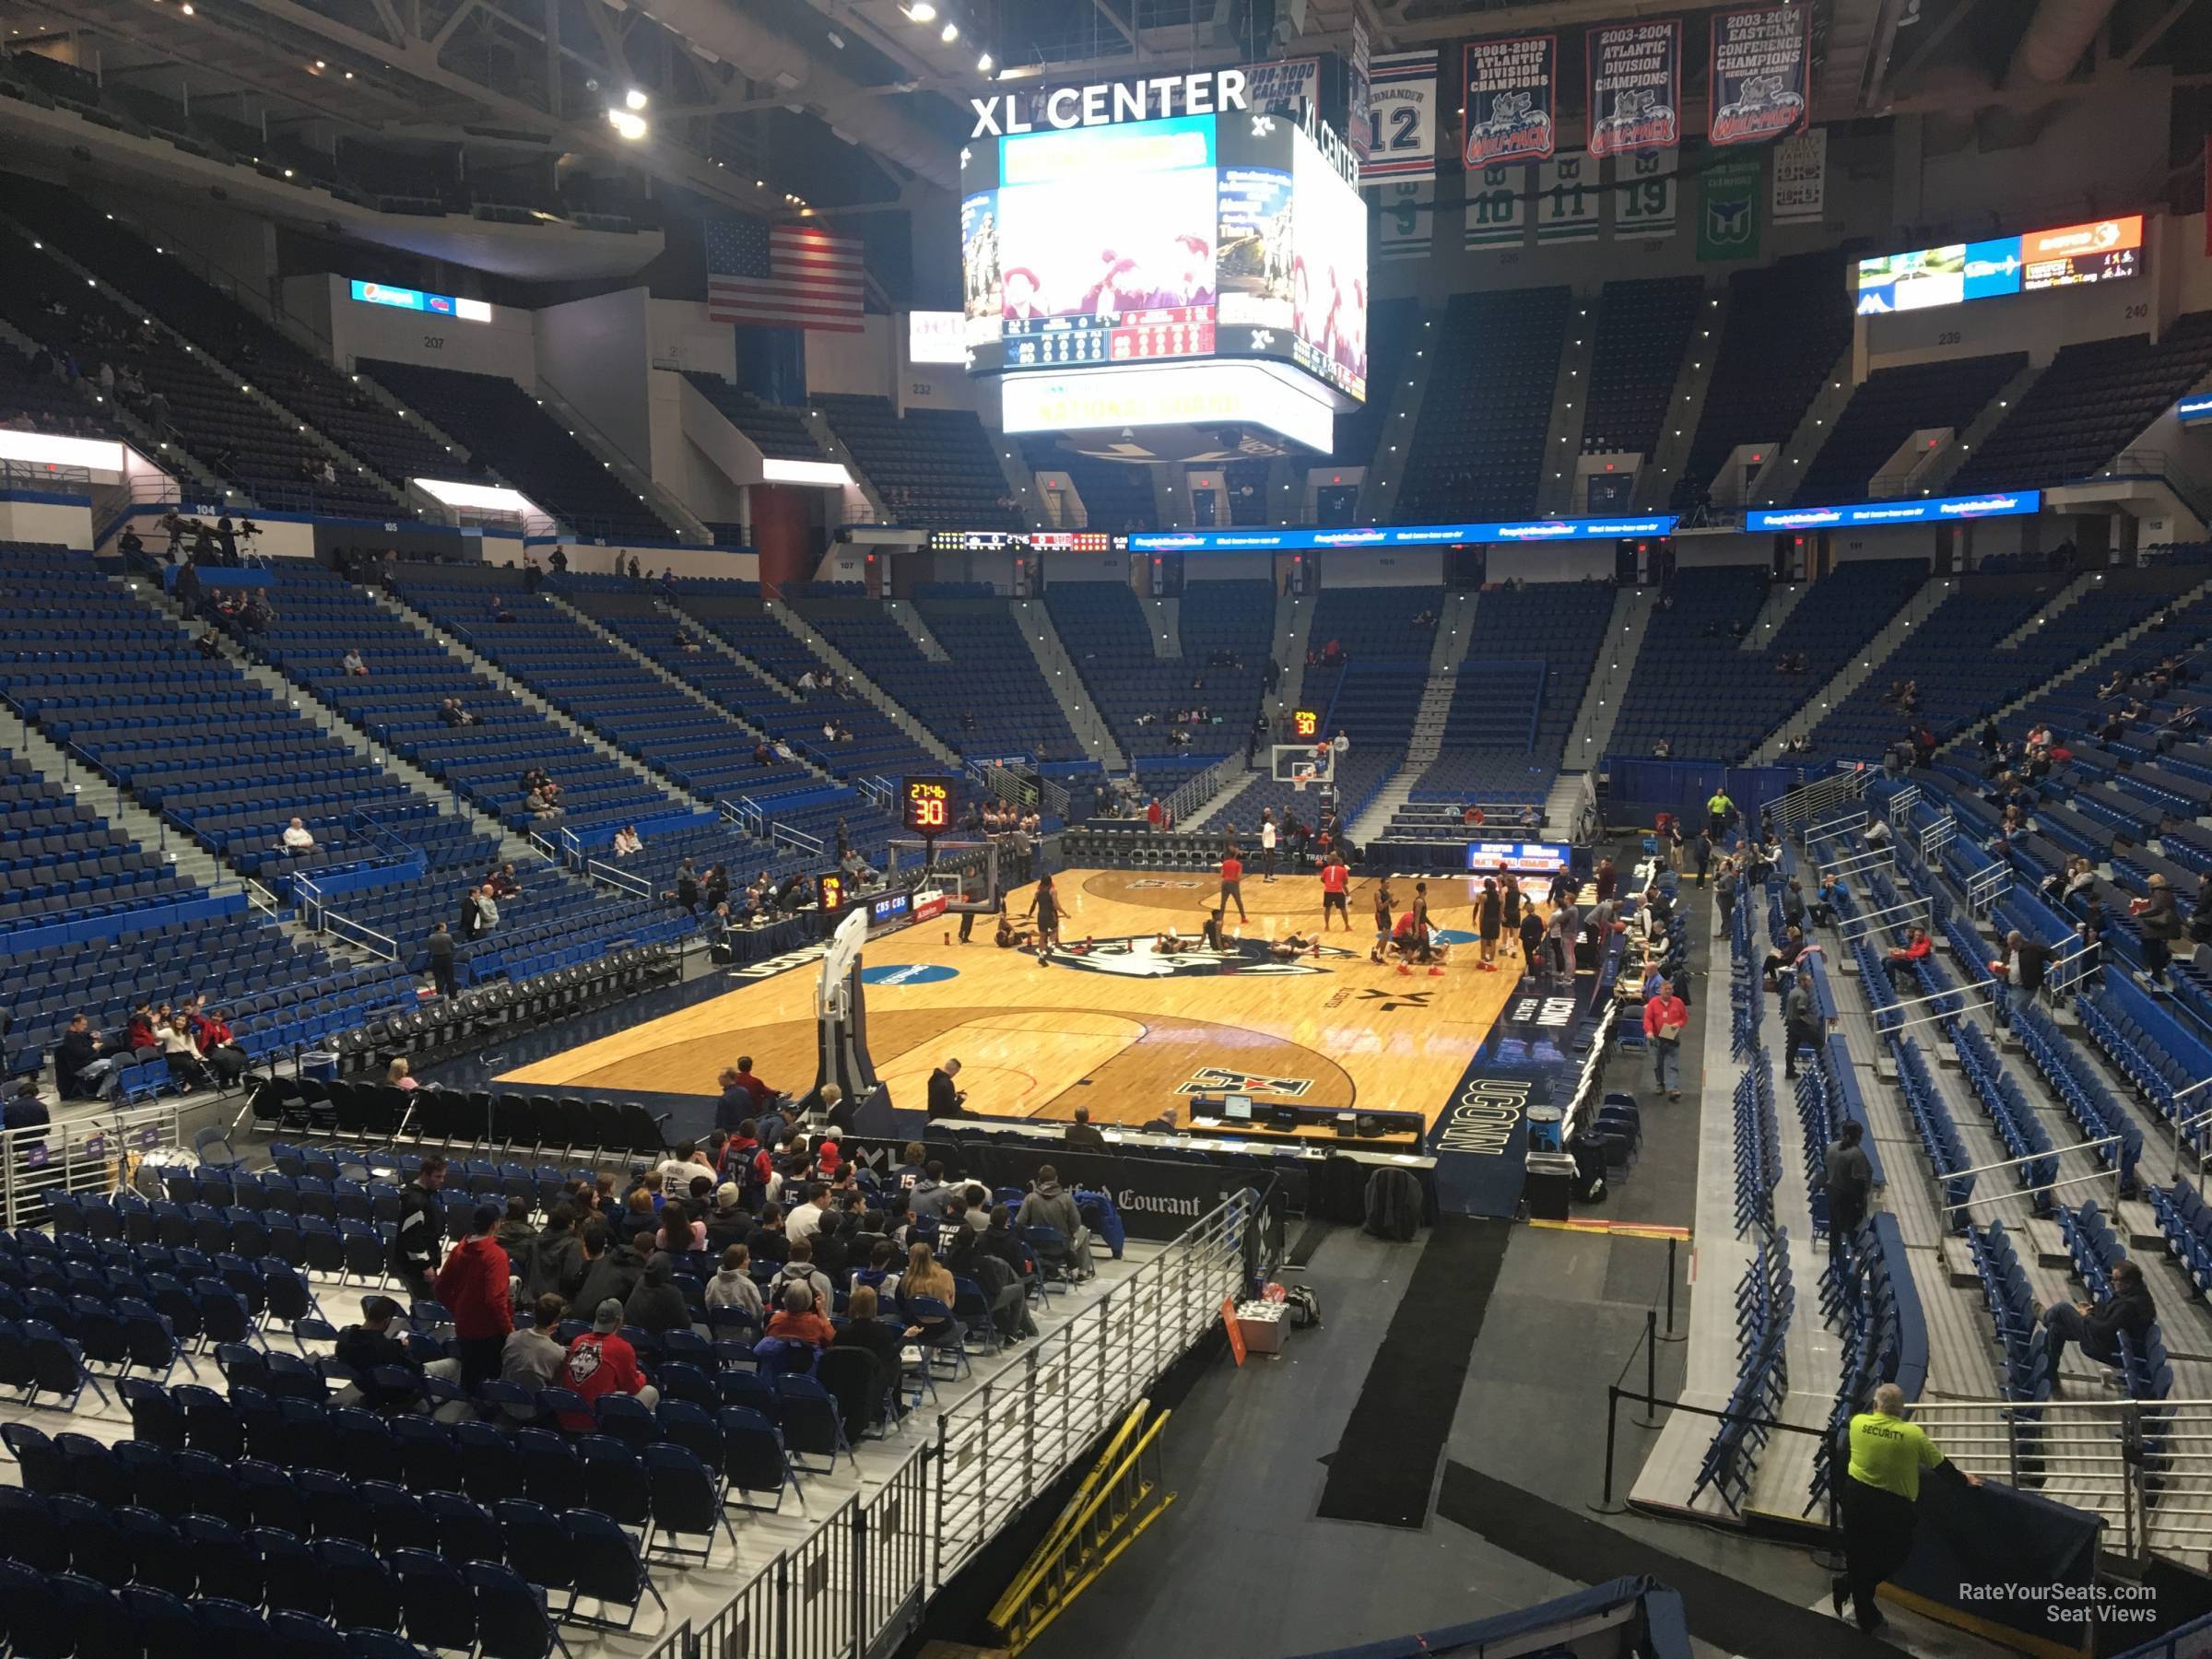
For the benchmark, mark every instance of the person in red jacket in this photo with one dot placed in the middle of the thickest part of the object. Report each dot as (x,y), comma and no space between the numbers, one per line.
(472,1286)
(602,1361)
(1665,1019)
(1902,964)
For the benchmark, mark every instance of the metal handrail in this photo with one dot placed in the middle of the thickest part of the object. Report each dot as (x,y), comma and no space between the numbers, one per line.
(865,1572)
(598,869)
(1915,902)
(377,943)
(1877,858)
(89,1155)
(2009,1163)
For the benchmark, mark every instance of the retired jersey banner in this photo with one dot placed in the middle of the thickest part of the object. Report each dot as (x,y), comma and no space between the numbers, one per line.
(1644,194)
(1801,177)
(1759,80)
(1511,101)
(1401,118)
(1407,218)
(1498,207)
(1635,88)
(1570,206)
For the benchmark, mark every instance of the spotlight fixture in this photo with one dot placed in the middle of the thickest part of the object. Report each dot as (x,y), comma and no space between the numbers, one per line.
(635,99)
(949,33)
(629,124)
(985,64)
(921,11)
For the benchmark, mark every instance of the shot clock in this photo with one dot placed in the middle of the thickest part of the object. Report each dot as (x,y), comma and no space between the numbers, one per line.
(925,805)
(1305,722)
(830,892)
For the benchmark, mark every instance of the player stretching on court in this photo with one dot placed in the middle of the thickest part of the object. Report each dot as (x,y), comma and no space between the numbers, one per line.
(1333,878)
(1233,880)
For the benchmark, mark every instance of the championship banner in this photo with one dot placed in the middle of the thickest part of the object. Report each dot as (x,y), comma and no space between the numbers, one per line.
(1635,88)
(1644,191)
(1728,209)
(1512,102)
(1570,205)
(1761,75)
(1800,193)
(1407,218)
(1498,207)
(1401,118)
(1292,87)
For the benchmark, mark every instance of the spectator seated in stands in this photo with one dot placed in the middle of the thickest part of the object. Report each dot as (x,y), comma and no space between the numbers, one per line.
(80,1071)
(626,842)
(733,1286)
(601,1362)
(298,838)
(352,663)
(24,1109)
(2098,1326)
(1902,964)
(1050,1205)
(1783,956)
(798,1319)
(454,714)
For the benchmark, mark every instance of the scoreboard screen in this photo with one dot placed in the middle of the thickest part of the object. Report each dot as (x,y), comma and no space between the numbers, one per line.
(1305,722)
(925,805)
(2103,251)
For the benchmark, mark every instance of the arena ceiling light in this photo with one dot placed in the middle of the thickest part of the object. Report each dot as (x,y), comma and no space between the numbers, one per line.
(985,64)
(949,33)
(920,11)
(629,124)
(635,99)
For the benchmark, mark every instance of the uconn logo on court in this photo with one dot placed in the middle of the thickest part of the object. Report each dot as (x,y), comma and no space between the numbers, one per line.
(1482,1120)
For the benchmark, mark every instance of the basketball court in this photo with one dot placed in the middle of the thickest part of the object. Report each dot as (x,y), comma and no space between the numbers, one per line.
(1127,1027)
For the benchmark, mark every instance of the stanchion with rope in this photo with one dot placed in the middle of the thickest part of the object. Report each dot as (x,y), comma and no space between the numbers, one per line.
(1671,1335)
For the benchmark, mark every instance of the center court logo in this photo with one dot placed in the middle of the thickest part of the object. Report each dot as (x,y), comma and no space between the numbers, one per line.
(1136,958)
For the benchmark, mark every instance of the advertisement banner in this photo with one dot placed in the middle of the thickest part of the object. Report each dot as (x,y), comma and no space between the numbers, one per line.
(1512,105)
(1401,118)
(1570,205)
(1498,207)
(1644,193)
(1728,209)
(1800,195)
(1407,218)
(1759,80)
(1635,88)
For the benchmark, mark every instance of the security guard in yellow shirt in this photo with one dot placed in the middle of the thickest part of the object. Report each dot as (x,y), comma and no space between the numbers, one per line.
(1877,1496)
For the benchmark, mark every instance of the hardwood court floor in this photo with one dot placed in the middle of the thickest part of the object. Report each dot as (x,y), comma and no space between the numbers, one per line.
(1125,1030)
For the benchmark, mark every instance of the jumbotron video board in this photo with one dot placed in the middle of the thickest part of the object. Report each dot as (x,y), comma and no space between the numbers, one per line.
(2102,250)
(1224,235)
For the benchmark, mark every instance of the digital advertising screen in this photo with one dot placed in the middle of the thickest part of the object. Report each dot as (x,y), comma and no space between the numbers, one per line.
(2105,250)
(1164,240)
(407,298)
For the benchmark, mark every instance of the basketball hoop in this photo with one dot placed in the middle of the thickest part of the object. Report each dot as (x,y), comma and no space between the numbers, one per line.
(1299,777)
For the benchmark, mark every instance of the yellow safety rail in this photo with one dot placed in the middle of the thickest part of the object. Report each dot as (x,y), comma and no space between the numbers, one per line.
(1117,1499)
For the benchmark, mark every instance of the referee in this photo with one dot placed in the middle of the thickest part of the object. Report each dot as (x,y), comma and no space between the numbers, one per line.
(1877,1496)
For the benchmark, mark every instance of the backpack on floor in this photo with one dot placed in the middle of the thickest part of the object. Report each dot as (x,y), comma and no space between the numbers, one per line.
(1301,1307)
(1394,1204)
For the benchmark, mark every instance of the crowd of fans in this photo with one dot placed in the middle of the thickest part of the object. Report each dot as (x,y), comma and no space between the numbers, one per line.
(764,1222)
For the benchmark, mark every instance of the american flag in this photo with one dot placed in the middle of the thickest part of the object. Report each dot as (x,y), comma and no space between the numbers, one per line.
(783,276)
